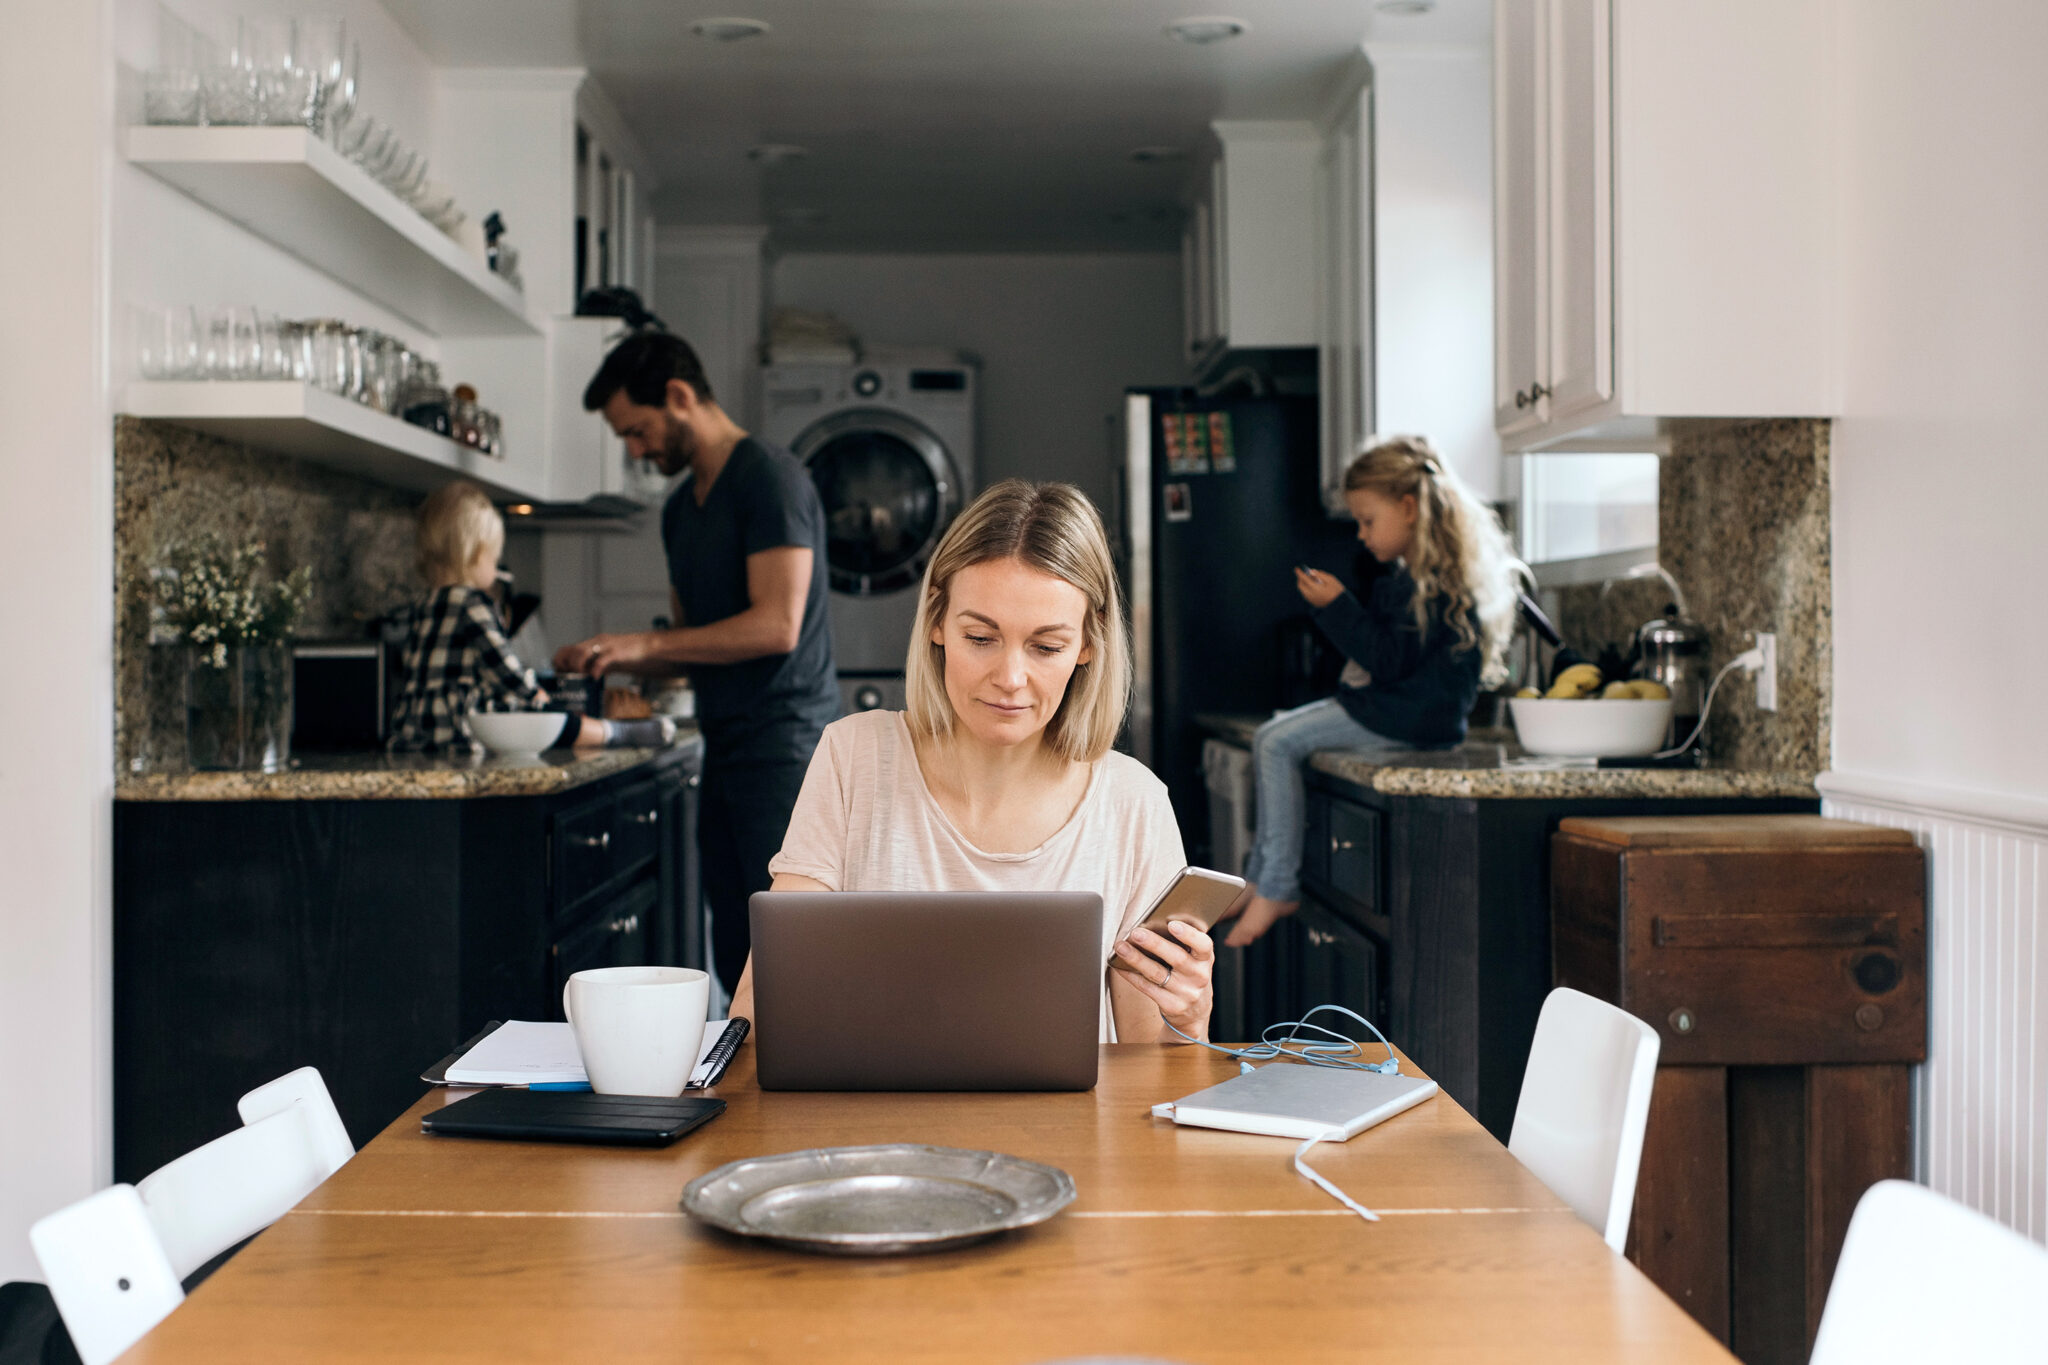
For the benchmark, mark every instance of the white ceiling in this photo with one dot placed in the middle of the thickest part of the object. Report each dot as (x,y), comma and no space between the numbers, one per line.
(934,125)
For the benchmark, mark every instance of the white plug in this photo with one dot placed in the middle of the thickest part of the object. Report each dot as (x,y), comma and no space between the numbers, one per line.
(1767,673)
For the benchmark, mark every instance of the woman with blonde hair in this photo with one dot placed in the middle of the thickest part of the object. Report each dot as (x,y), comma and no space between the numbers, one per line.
(1429,633)
(1000,775)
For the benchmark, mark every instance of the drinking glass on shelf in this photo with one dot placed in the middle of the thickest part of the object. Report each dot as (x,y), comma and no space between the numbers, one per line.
(321,47)
(273,355)
(229,89)
(295,342)
(170,89)
(338,107)
(166,341)
(234,349)
(269,44)
(334,359)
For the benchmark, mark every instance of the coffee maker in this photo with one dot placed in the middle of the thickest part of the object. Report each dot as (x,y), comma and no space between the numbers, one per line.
(1672,650)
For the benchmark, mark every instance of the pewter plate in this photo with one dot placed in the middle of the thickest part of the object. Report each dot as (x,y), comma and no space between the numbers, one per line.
(878,1201)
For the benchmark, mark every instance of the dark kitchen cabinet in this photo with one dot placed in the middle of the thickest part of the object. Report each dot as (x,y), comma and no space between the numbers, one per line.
(370,937)
(1431,917)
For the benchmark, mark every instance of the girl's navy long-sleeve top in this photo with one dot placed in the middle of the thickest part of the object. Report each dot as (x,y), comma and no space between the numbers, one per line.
(1423,681)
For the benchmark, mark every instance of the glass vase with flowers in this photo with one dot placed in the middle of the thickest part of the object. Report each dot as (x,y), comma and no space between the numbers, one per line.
(235,619)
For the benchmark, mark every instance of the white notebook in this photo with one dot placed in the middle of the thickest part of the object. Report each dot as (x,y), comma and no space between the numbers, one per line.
(1291,1099)
(522,1052)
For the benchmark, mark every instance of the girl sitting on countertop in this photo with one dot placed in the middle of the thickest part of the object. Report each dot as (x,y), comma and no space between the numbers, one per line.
(457,659)
(1428,634)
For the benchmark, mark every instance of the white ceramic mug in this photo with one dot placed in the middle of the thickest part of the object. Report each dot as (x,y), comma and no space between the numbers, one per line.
(639,1028)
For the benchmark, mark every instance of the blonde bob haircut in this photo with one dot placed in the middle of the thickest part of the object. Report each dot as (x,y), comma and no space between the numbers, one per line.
(456,522)
(1051,527)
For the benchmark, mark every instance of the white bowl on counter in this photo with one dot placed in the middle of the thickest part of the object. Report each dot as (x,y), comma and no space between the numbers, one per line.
(1591,728)
(521,733)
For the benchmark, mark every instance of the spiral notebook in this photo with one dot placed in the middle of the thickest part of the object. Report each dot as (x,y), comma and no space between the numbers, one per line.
(1289,1099)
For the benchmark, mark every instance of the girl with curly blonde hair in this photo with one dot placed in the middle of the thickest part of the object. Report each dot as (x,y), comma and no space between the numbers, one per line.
(1429,633)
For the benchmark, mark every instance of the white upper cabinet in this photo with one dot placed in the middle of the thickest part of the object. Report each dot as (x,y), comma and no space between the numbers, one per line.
(1344,281)
(1250,244)
(1662,228)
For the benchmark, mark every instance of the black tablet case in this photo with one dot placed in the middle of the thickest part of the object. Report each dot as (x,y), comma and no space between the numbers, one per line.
(572,1116)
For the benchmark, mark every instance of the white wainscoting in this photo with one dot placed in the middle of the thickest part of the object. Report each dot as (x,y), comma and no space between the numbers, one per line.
(1981,1100)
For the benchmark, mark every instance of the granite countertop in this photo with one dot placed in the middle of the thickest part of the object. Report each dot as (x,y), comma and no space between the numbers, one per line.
(398,777)
(1490,764)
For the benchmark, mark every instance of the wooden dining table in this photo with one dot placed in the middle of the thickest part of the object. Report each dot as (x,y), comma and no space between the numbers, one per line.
(1184,1244)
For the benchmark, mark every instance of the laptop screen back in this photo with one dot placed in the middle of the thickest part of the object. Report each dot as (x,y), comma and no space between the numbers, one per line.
(974,990)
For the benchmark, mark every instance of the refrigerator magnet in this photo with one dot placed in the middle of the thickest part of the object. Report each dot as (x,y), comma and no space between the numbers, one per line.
(1222,455)
(1178,508)
(1197,443)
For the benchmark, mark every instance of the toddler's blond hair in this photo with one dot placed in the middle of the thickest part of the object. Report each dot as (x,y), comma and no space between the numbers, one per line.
(456,522)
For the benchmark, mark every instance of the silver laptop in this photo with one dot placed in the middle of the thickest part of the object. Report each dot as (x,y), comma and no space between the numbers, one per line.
(975,990)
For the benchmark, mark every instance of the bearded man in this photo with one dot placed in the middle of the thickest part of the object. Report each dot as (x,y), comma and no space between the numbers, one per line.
(745,537)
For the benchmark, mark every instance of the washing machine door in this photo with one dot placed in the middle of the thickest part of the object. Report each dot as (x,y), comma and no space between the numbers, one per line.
(889,489)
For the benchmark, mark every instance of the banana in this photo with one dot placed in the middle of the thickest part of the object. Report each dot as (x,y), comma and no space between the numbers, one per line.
(1580,680)
(1650,690)
(1618,691)
(1528,692)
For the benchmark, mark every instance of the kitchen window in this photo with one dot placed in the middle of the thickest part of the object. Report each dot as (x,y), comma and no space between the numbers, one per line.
(1584,517)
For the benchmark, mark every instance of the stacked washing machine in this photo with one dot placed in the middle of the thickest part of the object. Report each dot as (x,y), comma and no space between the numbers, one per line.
(889,443)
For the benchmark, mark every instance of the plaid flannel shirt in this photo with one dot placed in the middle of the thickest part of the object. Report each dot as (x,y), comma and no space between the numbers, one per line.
(457,660)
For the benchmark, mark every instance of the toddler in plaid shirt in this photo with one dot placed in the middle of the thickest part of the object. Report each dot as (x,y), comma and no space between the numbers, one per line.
(457,659)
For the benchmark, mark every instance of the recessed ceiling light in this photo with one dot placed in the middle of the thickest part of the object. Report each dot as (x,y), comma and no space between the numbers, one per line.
(521,509)
(775,153)
(1407,9)
(1203,29)
(728,30)
(1151,155)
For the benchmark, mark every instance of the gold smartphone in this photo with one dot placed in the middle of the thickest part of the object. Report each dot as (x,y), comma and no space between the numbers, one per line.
(1197,895)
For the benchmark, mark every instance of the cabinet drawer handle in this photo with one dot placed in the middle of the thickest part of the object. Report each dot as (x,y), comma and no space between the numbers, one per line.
(1342,845)
(624,926)
(644,817)
(598,841)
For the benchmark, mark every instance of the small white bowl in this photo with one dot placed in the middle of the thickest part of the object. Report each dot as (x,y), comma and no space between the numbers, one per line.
(1592,728)
(515,732)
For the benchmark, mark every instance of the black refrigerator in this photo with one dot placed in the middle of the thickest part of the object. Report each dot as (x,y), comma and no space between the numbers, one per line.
(1221,498)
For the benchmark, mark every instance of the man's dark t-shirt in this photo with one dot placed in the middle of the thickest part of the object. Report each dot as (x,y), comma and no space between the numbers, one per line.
(770,709)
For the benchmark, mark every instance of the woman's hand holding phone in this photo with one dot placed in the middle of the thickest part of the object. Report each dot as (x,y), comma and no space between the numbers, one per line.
(1172,970)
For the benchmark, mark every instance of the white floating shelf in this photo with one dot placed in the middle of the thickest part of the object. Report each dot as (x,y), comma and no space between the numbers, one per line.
(293,189)
(312,424)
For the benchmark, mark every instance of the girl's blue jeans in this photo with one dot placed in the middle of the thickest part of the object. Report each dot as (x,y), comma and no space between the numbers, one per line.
(1279,748)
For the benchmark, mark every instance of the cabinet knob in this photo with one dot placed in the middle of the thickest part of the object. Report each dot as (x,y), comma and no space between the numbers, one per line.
(625,925)
(1537,391)
(1522,398)
(1341,845)
(599,841)
(644,817)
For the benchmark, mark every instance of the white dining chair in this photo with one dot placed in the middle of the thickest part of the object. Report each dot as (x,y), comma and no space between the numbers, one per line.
(115,1260)
(1923,1278)
(1585,1100)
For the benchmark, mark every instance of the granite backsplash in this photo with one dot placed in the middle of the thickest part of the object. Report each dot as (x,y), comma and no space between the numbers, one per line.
(171,484)
(1743,525)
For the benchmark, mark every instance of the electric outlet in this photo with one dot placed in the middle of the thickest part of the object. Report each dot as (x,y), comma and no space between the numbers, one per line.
(1767,676)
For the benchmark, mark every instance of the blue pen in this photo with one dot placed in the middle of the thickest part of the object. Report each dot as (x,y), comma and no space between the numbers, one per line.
(559,1085)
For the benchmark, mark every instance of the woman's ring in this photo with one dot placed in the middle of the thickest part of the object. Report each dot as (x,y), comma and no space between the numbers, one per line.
(1168,977)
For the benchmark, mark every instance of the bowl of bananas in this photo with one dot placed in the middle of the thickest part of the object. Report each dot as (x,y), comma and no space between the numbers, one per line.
(1584,715)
